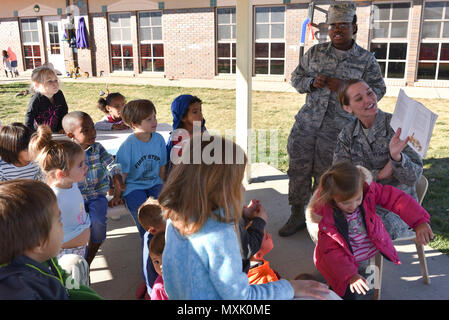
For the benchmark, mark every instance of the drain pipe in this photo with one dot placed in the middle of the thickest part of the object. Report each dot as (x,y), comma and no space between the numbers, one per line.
(303,37)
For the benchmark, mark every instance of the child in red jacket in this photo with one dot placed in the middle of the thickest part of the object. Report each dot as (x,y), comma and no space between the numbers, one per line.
(350,232)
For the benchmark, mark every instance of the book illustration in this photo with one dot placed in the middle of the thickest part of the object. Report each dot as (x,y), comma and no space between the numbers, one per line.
(416,122)
(415,142)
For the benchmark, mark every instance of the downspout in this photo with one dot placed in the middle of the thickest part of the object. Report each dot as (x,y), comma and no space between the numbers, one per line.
(303,36)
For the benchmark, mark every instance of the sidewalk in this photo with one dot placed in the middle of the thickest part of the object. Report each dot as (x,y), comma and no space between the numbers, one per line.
(258,84)
(116,271)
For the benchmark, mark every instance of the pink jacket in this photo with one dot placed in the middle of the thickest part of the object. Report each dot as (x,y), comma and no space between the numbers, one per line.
(333,257)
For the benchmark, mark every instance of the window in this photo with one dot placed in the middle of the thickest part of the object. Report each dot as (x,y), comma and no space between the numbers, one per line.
(53,35)
(151,45)
(269,47)
(389,41)
(434,48)
(121,45)
(226,46)
(30,41)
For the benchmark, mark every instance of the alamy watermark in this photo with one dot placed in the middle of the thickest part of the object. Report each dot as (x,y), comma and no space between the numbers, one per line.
(263,146)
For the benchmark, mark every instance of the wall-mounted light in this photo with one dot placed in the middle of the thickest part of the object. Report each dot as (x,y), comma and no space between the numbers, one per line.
(37,8)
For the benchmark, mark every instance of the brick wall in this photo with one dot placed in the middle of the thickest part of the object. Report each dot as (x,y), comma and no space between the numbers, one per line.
(100,43)
(84,55)
(295,15)
(363,25)
(10,37)
(189,43)
(413,44)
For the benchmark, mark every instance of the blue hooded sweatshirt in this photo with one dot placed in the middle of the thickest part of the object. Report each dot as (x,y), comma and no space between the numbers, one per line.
(178,109)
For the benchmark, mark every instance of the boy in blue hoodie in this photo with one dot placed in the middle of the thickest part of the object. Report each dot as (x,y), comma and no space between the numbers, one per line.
(186,110)
(31,229)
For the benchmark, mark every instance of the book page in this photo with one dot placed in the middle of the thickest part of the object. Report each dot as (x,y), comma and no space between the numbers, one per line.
(403,114)
(418,126)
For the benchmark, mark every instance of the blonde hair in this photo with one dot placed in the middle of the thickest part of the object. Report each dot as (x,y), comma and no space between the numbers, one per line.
(40,74)
(52,154)
(136,110)
(342,181)
(149,214)
(195,188)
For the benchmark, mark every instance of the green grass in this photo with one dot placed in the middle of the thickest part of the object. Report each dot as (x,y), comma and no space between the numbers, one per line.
(271,111)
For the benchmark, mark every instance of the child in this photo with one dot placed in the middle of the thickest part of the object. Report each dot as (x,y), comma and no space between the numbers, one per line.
(15,161)
(13,58)
(7,64)
(31,229)
(150,218)
(142,156)
(260,271)
(350,231)
(64,165)
(156,249)
(186,110)
(251,231)
(79,127)
(203,203)
(47,105)
(112,106)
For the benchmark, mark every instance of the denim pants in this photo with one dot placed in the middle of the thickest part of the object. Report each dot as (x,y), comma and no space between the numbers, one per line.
(134,200)
(97,209)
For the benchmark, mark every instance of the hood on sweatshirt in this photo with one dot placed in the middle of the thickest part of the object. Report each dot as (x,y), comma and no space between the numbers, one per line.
(179,107)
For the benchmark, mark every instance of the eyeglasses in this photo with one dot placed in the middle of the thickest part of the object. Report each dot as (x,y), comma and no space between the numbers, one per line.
(340,26)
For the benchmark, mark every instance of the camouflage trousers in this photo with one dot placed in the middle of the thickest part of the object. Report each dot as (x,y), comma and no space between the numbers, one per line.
(310,151)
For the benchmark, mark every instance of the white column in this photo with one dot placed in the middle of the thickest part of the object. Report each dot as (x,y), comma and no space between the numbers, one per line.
(244,40)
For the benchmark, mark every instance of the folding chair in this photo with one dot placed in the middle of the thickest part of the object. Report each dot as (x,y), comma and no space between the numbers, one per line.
(421,189)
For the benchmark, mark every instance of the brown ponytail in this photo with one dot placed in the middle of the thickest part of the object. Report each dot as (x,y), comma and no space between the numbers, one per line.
(342,181)
(52,154)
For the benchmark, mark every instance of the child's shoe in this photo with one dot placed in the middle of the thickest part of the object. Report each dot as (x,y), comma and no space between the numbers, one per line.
(141,291)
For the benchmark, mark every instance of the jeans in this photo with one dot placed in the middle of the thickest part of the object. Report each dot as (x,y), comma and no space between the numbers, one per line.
(134,200)
(97,209)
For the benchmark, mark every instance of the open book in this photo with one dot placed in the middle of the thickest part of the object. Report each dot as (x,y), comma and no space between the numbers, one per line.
(415,120)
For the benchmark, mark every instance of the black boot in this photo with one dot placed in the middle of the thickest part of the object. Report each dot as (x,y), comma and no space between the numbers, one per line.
(296,222)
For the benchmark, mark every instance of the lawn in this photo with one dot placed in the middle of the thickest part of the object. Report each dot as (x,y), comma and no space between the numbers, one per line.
(271,111)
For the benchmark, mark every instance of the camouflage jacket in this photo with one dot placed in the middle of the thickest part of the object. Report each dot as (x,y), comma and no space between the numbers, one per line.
(373,153)
(357,63)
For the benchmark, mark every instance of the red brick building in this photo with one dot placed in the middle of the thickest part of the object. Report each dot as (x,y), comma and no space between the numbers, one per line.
(196,38)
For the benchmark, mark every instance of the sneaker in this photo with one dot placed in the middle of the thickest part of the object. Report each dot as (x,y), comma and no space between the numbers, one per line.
(141,291)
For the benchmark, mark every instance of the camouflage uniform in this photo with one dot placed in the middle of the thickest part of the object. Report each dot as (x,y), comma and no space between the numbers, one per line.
(373,152)
(312,139)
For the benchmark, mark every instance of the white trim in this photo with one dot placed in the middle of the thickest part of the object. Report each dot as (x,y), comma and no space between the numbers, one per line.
(439,41)
(389,40)
(269,40)
(151,42)
(229,41)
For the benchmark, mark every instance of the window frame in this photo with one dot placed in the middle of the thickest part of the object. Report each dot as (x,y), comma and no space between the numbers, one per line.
(440,41)
(270,41)
(31,44)
(120,42)
(151,42)
(230,41)
(389,40)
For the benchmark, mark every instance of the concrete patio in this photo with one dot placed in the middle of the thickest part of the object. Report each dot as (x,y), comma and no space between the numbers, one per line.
(116,271)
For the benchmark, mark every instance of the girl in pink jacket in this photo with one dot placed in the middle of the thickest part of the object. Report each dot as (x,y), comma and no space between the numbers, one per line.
(350,232)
